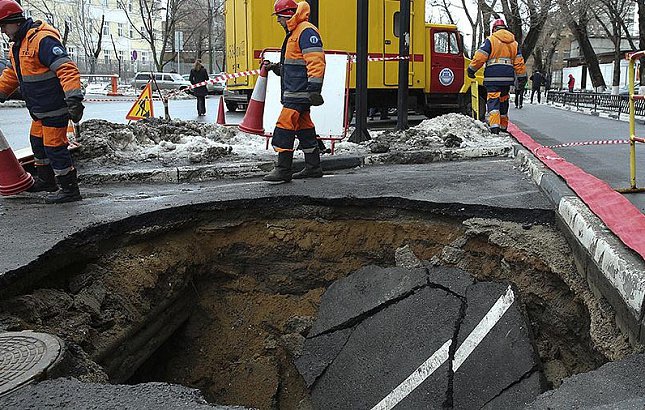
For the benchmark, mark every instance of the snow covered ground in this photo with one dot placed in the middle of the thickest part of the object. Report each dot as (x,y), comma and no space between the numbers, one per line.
(161,143)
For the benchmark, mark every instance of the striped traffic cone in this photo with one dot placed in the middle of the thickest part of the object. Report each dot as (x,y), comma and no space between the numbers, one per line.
(253,119)
(13,178)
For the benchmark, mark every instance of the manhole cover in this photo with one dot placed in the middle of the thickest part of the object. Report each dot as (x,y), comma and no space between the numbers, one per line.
(24,356)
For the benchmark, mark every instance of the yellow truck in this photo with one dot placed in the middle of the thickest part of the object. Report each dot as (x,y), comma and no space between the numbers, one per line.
(438,82)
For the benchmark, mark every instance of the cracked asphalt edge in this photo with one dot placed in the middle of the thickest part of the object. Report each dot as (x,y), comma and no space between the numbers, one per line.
(613,271)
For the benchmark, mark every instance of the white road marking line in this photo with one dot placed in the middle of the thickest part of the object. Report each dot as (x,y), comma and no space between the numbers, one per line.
(415,379)
(440,356)
(483,327)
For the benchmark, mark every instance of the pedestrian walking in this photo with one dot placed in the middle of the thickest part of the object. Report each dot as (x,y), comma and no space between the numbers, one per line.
(571,83)
(547,85)
(51,86)
(199,74)
(504,62)
(537,79)
(519,94)
(301,70)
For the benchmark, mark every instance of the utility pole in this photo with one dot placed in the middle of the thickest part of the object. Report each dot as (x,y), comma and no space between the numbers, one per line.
(404,66)
(360,133)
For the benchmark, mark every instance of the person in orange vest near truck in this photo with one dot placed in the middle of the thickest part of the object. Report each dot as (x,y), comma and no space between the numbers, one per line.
(301,70)
(51,86)
(504,62)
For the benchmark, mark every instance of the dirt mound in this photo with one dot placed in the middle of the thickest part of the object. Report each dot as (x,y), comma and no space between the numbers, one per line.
(446,131)
(156,140)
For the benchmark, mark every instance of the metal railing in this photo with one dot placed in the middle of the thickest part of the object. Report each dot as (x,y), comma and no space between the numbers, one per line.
(618,104)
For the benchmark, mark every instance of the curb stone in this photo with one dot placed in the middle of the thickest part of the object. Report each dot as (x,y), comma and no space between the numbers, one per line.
(612,270)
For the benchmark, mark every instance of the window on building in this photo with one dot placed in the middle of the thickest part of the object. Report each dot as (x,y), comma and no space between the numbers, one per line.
(105,3)
(130,6)
(144,56)
(121,55)
(106,56)
(121,29)
(131,32)
(71,51)
(106,28)
(142,30)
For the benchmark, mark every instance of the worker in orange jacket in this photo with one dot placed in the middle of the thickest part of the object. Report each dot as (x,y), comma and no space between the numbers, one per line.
(504,62)
(301,70)
(51,85)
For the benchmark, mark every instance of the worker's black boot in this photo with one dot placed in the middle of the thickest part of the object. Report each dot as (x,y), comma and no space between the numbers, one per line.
(44,180)
(68,191)
(312,166)
(282,170)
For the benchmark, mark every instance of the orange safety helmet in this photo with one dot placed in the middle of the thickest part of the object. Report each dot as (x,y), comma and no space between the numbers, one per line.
(283,8)
(10,12)
(497,24)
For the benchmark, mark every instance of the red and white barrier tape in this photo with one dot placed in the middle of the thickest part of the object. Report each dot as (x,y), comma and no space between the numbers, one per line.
(116,99)
(581,143)
(246,74)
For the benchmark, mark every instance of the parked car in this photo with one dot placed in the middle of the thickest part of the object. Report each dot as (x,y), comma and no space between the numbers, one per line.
(219,86)
(212,88)
(165,81)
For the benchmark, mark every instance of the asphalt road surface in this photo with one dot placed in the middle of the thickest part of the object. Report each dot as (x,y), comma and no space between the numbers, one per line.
(550,126)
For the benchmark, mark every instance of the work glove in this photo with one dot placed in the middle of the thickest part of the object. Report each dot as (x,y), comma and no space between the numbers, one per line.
(316,98)
(471,73)
(75,108)
(275,67)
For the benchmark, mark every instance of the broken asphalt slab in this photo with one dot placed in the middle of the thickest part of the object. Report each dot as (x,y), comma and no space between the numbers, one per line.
(615,385)
(396,352)
(75,395)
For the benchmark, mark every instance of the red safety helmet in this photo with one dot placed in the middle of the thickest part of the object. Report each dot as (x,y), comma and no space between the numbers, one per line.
(10,12)
(497,24)
(284,8)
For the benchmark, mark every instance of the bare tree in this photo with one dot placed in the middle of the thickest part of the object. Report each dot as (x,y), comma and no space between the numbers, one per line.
(577,15)
(609,15)
(116,55)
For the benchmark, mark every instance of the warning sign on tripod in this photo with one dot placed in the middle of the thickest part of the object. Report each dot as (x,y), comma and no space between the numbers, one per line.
(143,107)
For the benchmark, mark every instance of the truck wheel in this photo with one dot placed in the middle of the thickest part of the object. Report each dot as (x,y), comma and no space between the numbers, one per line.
(231,106)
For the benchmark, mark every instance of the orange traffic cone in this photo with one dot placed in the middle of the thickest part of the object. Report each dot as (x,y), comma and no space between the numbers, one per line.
(13,178)
(252,122)
(221,116)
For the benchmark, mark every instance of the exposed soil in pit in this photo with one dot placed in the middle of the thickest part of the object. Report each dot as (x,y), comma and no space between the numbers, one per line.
(254,283)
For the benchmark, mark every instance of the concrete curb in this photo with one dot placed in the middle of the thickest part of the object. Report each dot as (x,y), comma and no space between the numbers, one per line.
(612,270)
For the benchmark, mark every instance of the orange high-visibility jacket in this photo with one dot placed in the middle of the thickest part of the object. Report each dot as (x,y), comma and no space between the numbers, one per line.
(503,58)
(303,58)
(42,69)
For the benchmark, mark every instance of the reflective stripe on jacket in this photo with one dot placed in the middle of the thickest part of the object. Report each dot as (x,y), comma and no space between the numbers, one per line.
(503,59)
(303,58)
(43,70)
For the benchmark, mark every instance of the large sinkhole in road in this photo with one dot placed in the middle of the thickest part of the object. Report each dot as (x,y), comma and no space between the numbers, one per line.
(223,301)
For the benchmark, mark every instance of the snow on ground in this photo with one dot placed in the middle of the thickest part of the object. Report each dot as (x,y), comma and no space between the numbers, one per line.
(159,142)
(13,104)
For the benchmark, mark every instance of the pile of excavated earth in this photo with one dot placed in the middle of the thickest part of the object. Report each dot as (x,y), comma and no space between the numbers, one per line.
(159,142)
